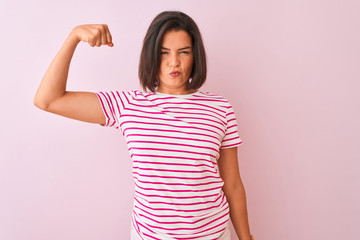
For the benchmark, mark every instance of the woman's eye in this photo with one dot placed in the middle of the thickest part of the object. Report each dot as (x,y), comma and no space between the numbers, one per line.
(163,53)
(184,52)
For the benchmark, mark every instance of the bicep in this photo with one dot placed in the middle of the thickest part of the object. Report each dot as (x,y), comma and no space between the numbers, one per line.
(82,106)
(229,168)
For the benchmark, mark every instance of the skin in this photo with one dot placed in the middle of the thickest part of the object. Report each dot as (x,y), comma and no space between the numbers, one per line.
(53,97)
(176,55)
(235,192)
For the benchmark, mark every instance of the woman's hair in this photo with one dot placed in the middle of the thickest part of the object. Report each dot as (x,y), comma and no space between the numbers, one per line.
(151,51)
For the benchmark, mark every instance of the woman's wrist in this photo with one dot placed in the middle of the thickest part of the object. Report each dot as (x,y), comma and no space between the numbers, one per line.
(73,37)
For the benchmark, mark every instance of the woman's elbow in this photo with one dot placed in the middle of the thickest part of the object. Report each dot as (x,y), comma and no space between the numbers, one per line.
(40,104)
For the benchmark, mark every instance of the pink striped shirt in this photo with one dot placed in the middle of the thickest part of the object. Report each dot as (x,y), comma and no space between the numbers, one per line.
(174,143)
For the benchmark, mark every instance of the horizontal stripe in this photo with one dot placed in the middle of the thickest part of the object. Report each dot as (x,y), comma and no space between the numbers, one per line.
(174,142)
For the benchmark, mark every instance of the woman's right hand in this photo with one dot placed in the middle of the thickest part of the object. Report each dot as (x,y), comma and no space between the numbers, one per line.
(94,34)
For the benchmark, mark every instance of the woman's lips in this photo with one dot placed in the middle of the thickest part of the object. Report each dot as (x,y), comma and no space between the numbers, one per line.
(175,74)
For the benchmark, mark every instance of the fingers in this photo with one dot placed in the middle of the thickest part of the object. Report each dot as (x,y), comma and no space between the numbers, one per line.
(105,36)
(108,37)
(93,35)
(104,31)
(101,36)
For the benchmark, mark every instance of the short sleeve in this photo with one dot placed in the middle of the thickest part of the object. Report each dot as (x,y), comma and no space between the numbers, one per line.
(231,137)
(112,104)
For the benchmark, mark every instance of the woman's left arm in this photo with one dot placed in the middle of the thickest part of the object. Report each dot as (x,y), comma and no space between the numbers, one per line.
(234,191)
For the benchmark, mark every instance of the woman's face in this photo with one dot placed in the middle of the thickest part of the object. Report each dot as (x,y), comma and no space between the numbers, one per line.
(176,61)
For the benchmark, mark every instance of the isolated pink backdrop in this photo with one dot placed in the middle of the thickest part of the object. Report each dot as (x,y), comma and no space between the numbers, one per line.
(289,68)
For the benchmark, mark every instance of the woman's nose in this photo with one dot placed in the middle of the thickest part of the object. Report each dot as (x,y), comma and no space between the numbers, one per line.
(174,61)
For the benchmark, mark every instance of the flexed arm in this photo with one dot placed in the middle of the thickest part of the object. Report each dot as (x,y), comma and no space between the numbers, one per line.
(52,95)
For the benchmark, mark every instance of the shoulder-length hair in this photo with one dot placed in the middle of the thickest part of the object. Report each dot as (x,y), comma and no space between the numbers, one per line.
(151,51)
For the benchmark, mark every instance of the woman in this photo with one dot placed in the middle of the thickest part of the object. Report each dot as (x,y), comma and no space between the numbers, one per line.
(182,141)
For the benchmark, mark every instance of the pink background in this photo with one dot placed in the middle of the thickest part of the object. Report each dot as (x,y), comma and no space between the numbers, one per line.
(289,68)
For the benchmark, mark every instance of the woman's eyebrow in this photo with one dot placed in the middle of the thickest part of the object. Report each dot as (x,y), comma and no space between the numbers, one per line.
(184,48)
(178,49)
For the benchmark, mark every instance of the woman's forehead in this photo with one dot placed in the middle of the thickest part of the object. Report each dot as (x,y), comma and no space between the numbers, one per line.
(176,39)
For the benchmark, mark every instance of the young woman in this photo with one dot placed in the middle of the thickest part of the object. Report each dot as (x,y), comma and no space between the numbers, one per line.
(182,141)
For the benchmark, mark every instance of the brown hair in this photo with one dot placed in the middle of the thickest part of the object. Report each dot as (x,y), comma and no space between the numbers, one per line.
(150,54)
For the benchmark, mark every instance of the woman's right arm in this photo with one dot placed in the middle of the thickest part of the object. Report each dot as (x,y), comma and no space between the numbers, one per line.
(52,95)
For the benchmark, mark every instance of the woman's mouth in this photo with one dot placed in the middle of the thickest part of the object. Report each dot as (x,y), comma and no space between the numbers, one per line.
(175,74)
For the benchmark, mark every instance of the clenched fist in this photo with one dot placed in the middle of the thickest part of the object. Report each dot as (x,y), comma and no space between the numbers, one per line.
(94,34)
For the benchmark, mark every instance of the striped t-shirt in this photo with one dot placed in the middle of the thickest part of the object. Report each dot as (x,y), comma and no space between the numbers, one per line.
(174,142)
